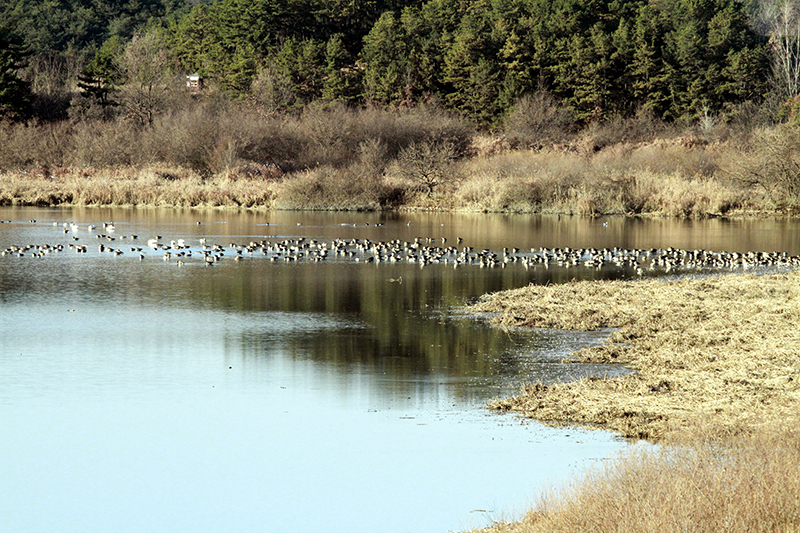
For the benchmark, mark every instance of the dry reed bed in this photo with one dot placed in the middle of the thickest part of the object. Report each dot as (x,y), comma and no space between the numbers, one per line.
(482,189)
(717,365)
(129,186)
(745,485)
(663,177)
(720,352)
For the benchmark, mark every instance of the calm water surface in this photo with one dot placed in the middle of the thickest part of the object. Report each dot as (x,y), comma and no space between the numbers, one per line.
(136,395)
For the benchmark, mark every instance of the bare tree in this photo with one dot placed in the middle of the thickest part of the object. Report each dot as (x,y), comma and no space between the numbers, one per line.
(150,78)
(781,21)
(427,163)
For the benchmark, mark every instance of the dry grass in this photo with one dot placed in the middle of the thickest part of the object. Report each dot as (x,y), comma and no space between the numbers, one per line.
(717,380)
(720,352)
(746,485)
(665,177)
(131,186)
(332,158)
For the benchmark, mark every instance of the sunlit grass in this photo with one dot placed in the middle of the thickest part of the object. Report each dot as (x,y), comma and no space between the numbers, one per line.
(716,381)
(738,484)
(373,159)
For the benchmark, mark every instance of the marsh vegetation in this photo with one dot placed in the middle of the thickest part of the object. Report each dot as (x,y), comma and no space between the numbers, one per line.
(740,483)
(716,381)
(227,154)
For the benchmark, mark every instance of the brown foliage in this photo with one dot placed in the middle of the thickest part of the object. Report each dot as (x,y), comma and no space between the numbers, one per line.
(432,159)
(771,162)
(744,483)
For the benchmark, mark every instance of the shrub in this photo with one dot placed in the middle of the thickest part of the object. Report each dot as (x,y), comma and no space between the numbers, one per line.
(333,135)
(641,127)
(328,188)
(538,120)
(33,144)
(771,162)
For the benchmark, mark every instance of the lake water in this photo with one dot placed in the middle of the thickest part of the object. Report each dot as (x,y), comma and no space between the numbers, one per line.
(267,394)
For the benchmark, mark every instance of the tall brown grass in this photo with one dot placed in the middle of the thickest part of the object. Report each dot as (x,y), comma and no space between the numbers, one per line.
(664,178)
(716,381)
(158,185)
(334,157)
(746,484)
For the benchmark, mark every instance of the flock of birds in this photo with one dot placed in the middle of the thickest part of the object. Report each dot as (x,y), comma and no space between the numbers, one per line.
(420,251)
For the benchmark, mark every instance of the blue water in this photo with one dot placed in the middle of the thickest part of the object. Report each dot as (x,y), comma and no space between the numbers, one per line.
(136,395)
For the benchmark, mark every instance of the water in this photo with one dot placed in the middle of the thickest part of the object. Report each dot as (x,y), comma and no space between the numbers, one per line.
(136,395)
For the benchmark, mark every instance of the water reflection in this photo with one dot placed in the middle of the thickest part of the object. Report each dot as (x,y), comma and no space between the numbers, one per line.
(354,313)
(395,318)
(492,231)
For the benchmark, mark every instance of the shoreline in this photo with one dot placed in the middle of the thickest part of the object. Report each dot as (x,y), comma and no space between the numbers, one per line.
(722,352)
(660,178)
(716,372)
(733,215)
(55,199)
(716,382)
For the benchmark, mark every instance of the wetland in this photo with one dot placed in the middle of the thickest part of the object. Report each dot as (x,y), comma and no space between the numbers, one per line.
(302,392)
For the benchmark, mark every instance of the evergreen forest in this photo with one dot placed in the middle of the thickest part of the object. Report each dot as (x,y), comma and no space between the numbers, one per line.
(681,60)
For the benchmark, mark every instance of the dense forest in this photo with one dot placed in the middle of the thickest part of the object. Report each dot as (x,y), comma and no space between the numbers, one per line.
(682,60)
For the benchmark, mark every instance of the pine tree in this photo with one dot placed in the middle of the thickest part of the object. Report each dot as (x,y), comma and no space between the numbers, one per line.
(15,94)
(342,78)
(102,76)
(383,55)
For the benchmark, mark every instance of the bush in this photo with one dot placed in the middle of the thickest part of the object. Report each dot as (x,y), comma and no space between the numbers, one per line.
(334,135)
(539,120)
(641,127)
(771,162)
(328,188)
(32,144)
